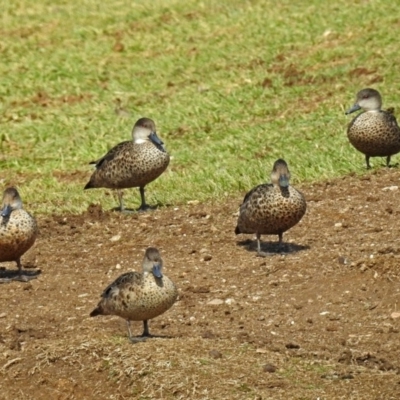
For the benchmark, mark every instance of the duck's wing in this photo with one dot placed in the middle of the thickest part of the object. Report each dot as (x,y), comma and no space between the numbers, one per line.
(112,153)
(392,117)
(129,278)
(255,189)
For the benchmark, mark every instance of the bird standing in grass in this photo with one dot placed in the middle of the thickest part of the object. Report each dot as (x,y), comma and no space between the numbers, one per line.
(271,208)
(374,132)
(138,296)
(133,163)
(18,232)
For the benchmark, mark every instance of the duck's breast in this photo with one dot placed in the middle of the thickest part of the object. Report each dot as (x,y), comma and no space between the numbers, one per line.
(17,235)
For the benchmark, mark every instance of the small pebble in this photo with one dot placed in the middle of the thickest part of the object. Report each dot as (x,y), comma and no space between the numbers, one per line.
(269,368)
(115,238)
(28,286)
(208,335)
(343,260)
(215,302)
(346,376)
(332,328)
(215,354)
(262,351)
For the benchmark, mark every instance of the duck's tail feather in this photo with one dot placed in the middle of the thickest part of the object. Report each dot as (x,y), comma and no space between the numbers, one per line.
(97,311)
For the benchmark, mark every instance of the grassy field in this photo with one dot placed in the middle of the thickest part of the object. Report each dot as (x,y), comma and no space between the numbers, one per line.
(232,85)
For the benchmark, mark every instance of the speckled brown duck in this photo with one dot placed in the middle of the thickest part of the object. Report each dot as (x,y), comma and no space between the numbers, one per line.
(138,296)
(18,232)
(271,208)
(133,163)
(374,132)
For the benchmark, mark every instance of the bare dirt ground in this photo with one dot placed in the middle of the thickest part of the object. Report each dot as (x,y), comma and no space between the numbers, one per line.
(320,322)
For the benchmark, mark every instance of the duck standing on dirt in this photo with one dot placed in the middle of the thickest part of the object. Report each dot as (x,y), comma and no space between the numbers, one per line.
(271,208)
(133,163)
(139,296)
(18,232)
(374,132)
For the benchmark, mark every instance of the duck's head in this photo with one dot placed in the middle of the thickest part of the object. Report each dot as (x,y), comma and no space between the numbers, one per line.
(280,174)
(145,130)
(367,99)
(152,262)
(11,201)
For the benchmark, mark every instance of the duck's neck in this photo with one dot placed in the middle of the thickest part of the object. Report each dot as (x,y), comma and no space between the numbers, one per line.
(140,141)
(374,111)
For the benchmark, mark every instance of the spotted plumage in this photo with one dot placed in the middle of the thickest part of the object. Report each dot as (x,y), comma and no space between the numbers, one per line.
(138,296)
(18,231)
(133,163)
(374,132)
(271,208)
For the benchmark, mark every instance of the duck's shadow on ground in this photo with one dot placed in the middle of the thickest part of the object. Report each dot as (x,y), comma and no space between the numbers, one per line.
(10,275)
(142,339)
(140,210)
(272,248)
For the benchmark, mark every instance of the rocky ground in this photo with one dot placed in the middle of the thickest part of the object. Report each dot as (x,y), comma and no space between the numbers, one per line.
(319,322)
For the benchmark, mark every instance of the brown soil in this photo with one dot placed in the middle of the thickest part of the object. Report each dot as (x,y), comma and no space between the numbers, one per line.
(321,321)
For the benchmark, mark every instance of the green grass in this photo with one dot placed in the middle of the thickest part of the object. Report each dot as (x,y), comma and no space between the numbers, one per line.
(232,85)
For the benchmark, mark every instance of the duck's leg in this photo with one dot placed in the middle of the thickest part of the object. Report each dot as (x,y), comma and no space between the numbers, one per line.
(281,245)
(146,332)
(135,339)
(367,161)
(388,161)
(21,277)
(121,201)
(143,206)
(128,324)
(258,243)
(259,252)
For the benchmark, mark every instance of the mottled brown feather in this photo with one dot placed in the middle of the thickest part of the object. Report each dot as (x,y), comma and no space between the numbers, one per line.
(270,208)
(137,296)
(18,230)
(374,132)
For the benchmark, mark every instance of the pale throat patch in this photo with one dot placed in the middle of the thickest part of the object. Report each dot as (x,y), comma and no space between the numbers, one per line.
(139,141)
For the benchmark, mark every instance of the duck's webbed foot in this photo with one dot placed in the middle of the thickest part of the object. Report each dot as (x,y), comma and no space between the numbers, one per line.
(261,253)
(19,278)
(137,339)
(145,335)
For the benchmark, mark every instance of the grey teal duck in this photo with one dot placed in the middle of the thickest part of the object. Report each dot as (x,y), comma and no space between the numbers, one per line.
(271,208)
(374,132)
(138,296)
(133,163)
(18,232)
